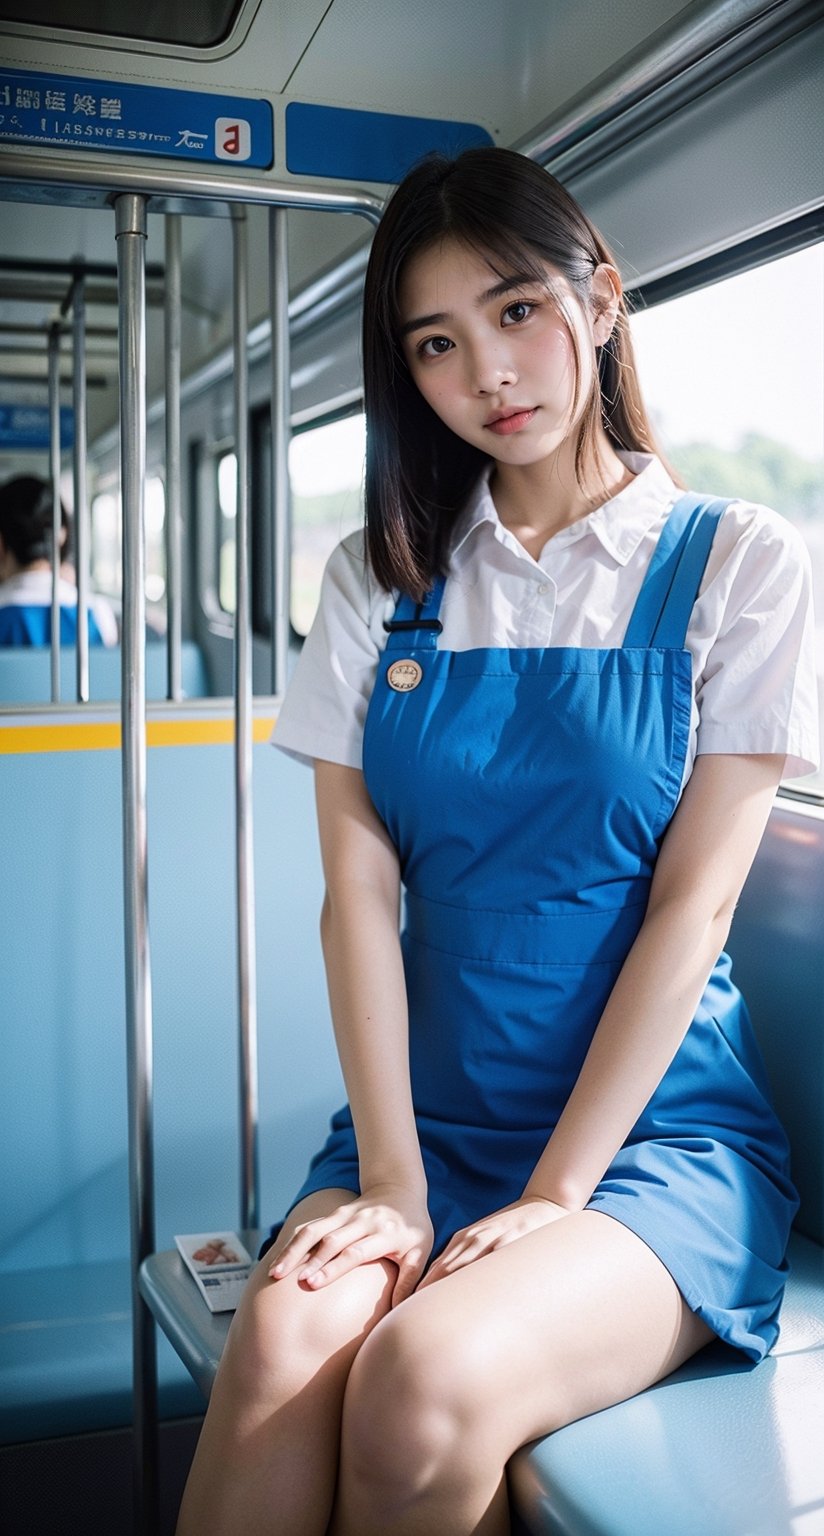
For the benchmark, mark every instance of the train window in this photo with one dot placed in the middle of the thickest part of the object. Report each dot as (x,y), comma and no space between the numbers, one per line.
(155,514)
(326,461)
(106,543)
(226,469)
(733,377)
(107,546)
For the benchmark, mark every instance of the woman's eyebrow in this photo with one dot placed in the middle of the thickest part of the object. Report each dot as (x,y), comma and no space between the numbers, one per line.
(420,322)
(497,291)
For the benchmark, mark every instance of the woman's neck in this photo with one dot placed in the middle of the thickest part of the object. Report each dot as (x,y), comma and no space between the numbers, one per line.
(535,501)
(10,566)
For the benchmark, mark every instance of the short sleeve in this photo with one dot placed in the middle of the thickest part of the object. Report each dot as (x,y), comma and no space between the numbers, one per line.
(757,690)
(323,712)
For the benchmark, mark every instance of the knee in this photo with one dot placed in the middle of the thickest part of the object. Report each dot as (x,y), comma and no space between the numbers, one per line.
(413,1405)
(282,1334)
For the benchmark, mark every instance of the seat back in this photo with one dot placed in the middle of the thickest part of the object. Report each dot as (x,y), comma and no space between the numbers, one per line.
(25,673)
(778,961)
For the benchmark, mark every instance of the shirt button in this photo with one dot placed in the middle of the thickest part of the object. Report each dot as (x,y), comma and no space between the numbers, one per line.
(543,586)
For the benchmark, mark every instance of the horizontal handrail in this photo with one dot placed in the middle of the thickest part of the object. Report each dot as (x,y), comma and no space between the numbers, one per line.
(94,180)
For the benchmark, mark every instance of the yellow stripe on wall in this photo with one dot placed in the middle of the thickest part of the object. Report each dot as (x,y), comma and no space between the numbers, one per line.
(93,736)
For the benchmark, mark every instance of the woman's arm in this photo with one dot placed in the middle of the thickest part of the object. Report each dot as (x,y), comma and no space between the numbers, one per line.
(364,970)
(367,992)
(704,861)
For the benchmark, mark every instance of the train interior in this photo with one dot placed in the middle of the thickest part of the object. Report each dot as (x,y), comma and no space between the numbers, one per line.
(693,136)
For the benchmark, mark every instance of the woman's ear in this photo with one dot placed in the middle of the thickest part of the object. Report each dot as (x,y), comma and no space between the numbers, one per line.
(606,297)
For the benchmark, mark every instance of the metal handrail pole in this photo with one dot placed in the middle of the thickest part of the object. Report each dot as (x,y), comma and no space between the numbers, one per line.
(57,525)
(172,338)
(244,847)
(81,510)
(280,420)
(131,250)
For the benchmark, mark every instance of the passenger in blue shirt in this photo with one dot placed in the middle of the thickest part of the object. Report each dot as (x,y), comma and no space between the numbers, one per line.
(26,572)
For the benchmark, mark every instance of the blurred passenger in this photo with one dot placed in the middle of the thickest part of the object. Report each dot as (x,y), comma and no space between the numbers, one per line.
(26,572)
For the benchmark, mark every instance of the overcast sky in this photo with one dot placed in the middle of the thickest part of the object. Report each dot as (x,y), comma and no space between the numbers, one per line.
(746,355)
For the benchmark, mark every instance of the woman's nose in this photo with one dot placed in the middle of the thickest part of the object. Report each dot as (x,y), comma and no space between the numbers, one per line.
(492,369)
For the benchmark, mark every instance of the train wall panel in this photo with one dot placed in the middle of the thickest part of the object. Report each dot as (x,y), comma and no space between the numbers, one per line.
(64,1058)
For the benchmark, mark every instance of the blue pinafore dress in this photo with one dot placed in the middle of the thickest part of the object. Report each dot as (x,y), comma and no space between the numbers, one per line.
(527,792)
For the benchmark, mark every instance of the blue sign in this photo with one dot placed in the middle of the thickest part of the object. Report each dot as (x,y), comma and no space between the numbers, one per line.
(344,143)
(27,426)
(107,115)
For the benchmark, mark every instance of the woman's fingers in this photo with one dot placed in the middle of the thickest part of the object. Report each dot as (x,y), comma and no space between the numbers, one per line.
(463,1248)
(410,1270)
(309,1237)
(355,1234)
(495,1231)
(326,1266)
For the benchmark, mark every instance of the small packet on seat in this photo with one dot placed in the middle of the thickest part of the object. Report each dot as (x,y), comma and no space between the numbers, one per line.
(220,1266)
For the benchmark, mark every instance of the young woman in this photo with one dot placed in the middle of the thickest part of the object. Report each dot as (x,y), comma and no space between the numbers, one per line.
(551,698)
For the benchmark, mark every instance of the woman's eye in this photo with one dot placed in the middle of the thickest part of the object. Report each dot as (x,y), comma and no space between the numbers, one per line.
(434,346)
(518,310)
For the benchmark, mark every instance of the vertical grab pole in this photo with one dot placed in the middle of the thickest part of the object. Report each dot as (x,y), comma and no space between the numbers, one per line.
(81,511)
(130,212)
(247,988)
(54,475)
(172,307)
(281,413)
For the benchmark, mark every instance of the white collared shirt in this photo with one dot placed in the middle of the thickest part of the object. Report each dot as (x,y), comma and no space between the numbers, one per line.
(33,589)
(750,634)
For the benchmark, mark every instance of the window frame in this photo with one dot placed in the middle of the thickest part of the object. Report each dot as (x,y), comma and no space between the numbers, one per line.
(260,429)
(206,515)
(770,245)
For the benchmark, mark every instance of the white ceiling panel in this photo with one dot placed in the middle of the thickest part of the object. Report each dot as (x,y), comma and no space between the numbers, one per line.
(506,66)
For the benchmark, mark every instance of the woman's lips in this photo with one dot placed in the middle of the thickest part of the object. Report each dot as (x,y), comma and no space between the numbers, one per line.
(507,424)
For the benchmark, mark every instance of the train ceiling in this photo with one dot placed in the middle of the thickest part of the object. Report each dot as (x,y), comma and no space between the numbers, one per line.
(506,66)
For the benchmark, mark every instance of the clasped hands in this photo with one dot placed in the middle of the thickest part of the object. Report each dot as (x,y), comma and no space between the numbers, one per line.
(390,1222)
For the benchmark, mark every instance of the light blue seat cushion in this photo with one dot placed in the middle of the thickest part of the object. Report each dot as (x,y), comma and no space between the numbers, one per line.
(66,1354)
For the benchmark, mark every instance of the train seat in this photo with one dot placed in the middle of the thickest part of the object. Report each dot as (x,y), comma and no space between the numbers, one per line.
(25,673)
(65,1353)
(721,1447)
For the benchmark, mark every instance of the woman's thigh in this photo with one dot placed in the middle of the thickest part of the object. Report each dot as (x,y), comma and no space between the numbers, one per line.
(567,1320)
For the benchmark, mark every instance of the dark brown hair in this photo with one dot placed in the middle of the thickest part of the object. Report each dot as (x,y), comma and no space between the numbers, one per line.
(26,519)
(418,472)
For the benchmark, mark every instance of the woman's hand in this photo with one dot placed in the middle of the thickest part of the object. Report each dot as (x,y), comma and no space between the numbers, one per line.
(495,1231)
(388,1221)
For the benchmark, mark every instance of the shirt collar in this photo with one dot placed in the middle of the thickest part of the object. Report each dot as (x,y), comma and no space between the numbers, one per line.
(34,587)
(619,525)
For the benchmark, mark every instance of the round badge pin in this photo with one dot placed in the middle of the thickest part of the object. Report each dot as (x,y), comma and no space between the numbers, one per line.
(404,675)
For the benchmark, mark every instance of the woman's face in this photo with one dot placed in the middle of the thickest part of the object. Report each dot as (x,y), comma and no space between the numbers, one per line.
(493,357)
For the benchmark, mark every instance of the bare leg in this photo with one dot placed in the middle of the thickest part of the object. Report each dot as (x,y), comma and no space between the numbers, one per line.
(267,1457)
(567,1320)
